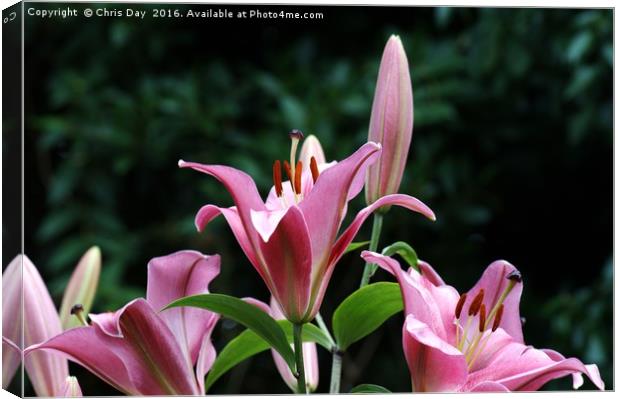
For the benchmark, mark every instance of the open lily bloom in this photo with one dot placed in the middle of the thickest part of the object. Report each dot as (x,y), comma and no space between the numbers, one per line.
(311,360)
(473,342)
(291,239)
(140,351)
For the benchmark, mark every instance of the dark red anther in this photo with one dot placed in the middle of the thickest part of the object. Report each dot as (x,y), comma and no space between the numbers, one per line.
(459,305)
(475,304)
(77,308)
(515,276)
(498,317)
(298,177)
(287,169)
(314,168)
(277,178)
(483,318)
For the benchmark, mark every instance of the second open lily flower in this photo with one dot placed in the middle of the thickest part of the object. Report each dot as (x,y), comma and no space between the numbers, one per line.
(291,239)
(140,351)
(473,342)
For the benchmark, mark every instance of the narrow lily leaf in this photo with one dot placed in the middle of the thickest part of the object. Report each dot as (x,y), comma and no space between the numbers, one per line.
(249,315)
(355,245)
(405,251)
(248,344)
(370,388)
(364,311)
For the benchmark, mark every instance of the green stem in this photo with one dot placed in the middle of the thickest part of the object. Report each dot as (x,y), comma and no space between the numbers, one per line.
(370,268)
(299,358)
(334,385)
(324,328)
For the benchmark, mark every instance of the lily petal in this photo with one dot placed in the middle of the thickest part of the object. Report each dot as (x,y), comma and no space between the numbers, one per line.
(47,371)
(430,274)
(323,207)
(431,305)
(524,368)
(240,186)
(11,359)
(72,388)
(311,148)
(266,222)
(206,357)
(177,275)
(11,319)
(288,257)
(435,365)
(489,386)
(405,201)
(151,339)
(209,212)
(494,282)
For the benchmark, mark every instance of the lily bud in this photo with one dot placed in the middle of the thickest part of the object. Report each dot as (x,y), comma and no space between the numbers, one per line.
(47,371)
(11,319)
(312,148)
(82,287)
(391,122)
(72,388)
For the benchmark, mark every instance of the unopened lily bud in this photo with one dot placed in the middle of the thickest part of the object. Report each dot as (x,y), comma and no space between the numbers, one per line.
(72,388)
(391,122)
(81,288)
(311,148)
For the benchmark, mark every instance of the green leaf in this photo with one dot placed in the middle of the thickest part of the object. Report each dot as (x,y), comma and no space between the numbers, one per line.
(405,251)
(364,311)
(248,344)
(355,245)
(370,388)
(249,315)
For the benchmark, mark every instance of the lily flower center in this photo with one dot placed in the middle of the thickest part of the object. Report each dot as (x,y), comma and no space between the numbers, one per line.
(293,170)
(472,340)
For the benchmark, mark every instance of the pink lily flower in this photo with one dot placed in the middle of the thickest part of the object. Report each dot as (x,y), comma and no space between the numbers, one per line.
(391,121)
(473,342)
(140,351)
(311,359)
(291,239)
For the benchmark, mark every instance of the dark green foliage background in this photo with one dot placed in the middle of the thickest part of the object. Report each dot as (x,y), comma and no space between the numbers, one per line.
(512,149)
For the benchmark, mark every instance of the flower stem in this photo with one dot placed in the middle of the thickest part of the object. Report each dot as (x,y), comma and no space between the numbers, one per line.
(299,358)
(324,328)
(370,268)
(334,385)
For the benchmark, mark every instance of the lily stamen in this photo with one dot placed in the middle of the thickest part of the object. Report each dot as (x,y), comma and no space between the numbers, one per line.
(457,314)
(314,168)
(78,311)
(298,169)
(498,317)
(277,178)
(287,169)
(513,278)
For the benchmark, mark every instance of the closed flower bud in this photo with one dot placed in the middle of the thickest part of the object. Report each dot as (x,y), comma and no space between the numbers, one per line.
(391,122)
(82,287)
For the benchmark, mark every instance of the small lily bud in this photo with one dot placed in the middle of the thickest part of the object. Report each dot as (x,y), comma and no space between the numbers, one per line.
(391,122)
(82,287)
